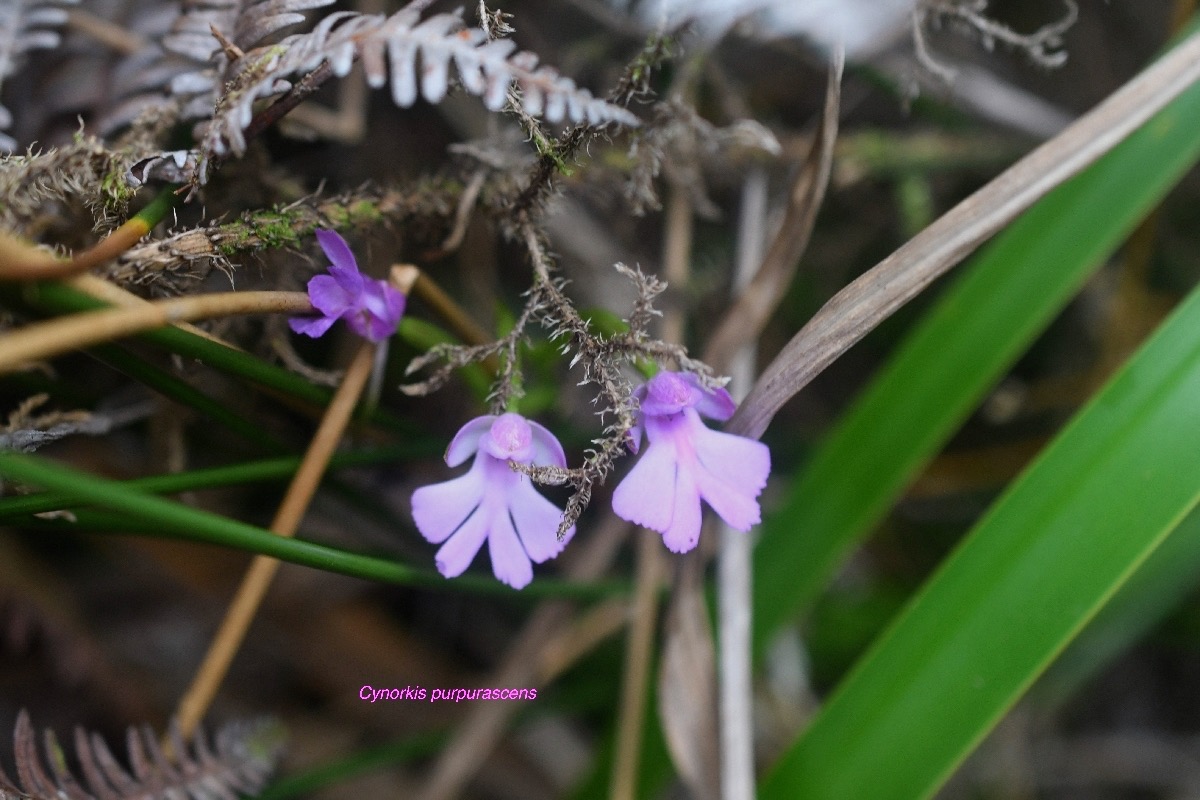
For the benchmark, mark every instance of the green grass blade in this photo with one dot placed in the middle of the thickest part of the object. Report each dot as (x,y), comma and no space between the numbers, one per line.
(149,515)
(272,469)
(185,394)
(1048,555)
(939,374)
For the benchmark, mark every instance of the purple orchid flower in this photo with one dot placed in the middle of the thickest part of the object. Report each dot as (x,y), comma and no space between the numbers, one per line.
(372,308)
(686,462)
(494,502)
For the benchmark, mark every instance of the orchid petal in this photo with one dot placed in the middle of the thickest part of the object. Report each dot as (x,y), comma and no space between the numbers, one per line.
(328,296)
(336,250)
(466,441)
(460,550)
(510,564)
(439,510)
(742,463)
(378,329)
(510,439)
(633,439)
(547,450)
(536,520)
(646,496)
(669,393)
(352,283)
(311,326)
(739,509)
(717,404)
(384,305)
(684,531)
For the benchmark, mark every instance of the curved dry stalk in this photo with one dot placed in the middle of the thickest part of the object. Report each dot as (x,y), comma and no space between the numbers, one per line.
(21,261)
(461,323)
(50,338)
(877,294)
(108,292)
(745,320)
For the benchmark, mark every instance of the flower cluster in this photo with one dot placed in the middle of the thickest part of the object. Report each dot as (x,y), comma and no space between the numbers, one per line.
(684,463)
(372,308)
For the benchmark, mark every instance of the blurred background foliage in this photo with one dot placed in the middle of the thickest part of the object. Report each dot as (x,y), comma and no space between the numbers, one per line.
(105,631)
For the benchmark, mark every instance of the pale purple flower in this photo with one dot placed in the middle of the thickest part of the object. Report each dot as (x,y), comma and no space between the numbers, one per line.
(494,502)
(686,462)
(371,307)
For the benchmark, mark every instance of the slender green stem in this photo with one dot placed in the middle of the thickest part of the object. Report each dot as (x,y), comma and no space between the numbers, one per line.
(273,469)
(187,395)
(157,209)
(148,515)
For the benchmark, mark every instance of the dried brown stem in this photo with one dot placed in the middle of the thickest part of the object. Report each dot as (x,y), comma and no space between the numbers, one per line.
(745,320)
(20,261)
(635,683)
(244,606)
(46,339)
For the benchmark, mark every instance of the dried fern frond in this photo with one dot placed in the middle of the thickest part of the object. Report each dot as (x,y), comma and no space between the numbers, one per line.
(26,431)
(186,65)
(238,761)
(390,48)
(25,25)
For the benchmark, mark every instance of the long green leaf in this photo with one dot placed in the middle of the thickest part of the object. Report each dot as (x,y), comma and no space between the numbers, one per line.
(1160,585)
(939,374)
(1048,555)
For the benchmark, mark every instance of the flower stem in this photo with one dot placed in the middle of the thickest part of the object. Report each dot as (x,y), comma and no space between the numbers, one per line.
(734,575)
(244,606)
(638,658)
(50,338)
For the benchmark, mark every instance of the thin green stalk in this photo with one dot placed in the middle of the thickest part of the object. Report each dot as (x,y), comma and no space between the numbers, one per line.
(166,519)
(273,469)
(187,395)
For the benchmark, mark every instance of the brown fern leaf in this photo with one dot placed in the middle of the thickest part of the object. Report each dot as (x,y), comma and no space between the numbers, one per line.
(186,64)
(389,48)
(238,761)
